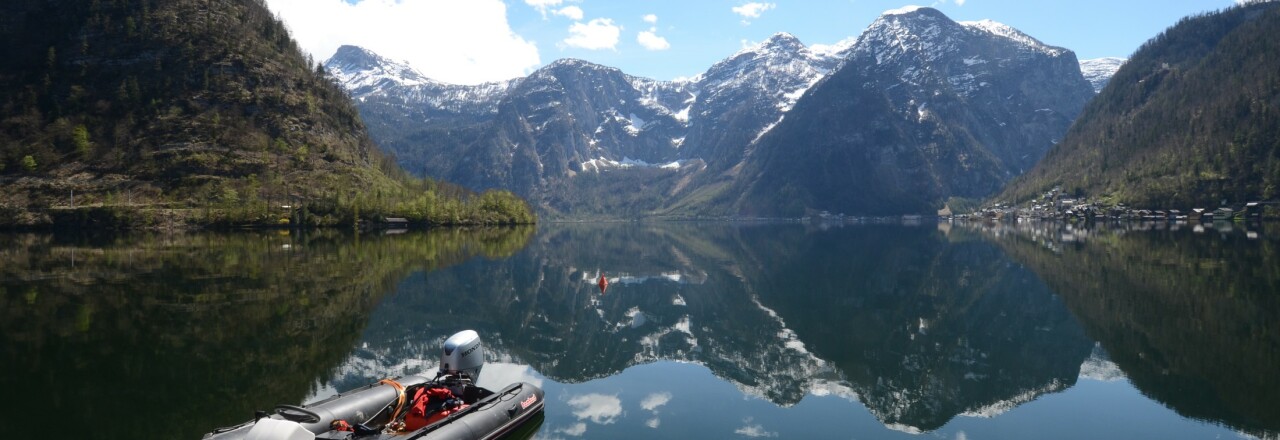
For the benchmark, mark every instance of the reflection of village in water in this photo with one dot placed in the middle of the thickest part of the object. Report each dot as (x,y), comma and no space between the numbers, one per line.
(1053,232)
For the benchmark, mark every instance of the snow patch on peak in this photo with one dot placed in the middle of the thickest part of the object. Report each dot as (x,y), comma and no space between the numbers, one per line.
(1009,32)
(920,39)
(781,39)
(554,67)
(903,10)
(571,62)
(367,76)
(1100,70)
(835,50)
(357,68)
(779,69)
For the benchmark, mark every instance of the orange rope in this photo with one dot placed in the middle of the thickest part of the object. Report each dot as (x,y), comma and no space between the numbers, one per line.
(399,397)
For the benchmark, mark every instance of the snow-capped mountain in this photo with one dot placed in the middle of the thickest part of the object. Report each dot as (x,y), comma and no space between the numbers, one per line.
(1100,70)
(534,135)
(370,77)
(746,94)
(924,108)
(570,117)
(363,72)
(980,101)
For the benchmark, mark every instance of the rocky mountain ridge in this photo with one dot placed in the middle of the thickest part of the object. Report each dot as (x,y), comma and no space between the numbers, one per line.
(924,109)
(676,147)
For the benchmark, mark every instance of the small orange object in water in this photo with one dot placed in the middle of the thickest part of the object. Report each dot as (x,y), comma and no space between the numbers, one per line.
(603,283)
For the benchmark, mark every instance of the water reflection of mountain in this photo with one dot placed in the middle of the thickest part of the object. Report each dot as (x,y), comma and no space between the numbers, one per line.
(169,336)
(1190,316)
(923,328)
(920,328)
(539,307)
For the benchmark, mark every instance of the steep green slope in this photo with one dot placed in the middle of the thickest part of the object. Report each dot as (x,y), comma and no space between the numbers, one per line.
(201,111)
(1192,119)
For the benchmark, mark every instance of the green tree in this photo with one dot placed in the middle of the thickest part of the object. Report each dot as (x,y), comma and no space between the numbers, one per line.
(80,137)
(28,163)
(229,196)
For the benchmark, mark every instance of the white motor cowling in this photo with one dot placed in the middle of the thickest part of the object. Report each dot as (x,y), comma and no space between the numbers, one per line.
(273,429)
(463,354)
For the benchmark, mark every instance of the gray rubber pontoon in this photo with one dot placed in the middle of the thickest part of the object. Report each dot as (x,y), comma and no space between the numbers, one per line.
(378,411)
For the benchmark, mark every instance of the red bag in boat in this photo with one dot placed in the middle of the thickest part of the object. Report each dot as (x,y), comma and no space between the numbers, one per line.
(429,406)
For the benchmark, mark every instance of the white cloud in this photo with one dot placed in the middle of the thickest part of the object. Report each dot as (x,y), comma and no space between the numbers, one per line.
(651,41)
(599,408)
(572,12)
(599,33)
(752,10)
(653,423)
(463,42)
(543,5)
(651,19)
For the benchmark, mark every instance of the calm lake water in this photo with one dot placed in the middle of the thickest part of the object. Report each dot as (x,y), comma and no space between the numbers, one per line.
(707,330)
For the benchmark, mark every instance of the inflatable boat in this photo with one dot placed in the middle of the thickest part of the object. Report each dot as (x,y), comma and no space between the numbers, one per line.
(447,406)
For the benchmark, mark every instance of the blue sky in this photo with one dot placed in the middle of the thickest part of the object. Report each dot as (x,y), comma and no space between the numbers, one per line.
(471,41)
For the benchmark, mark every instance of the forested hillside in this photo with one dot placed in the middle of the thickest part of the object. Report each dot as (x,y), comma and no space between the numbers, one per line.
(1192,119)
(148,112)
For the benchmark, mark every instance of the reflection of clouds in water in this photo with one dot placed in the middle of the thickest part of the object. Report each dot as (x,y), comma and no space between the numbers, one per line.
(599,408)
(576,430)
(497,375)
(904,428)
(753,431)
(655,400)
(961,436)
(825,387)
(638,318)
(651,403)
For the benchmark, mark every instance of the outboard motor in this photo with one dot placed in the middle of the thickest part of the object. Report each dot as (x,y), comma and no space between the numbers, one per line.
(463,355)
